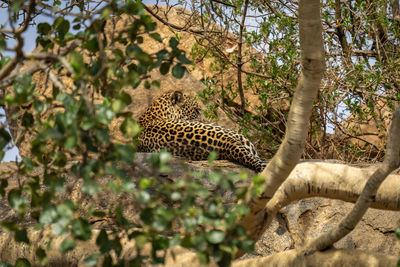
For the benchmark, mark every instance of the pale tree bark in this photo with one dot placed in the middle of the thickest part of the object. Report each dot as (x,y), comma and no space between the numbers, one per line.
(289,153)
(335,181)
(326,258)
(390,163)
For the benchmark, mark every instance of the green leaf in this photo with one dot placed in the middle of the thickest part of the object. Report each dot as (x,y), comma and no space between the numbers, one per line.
(17,202)
(215,236)
(43,28)
(173,43)
(21,236)
(22,262)
(183,59)
(70,142)
(92,260)
(76,26)
(66,208)
(103,242)
(147,216)
(162,55)
(41,254)
(67,245)
(3,43)
(48,215)
(155,84)
(140,241)
(62,26)
(125,153)
(199,242)
(90,187)
(203,257)
(60,160)
(3,186)
(145,183)
(5,138)
(147,84)
(76,61)
(130,128)
(117,105)
(61,226)
(104,115)
(164,68)
(144,58)
(92,45)
(156,36)
(118,54)
(247,246)
(87,123)
(178,71)
(125,98)
(9,226)
(397,231)
(213,156)
(4,60)
(132,50)
(121,220)
(80,229)
(39,106)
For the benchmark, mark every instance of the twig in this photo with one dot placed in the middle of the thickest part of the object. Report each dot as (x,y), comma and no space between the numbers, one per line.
(240,63)
(223,3)
(390,163)
(176,27)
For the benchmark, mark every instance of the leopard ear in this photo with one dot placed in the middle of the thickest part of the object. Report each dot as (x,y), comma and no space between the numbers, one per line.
(177,97)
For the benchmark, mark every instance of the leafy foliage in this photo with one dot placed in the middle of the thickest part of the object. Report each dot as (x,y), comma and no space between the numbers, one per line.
(70,134)
(362,44)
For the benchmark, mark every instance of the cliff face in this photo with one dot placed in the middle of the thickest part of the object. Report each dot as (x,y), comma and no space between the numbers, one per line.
(295,224)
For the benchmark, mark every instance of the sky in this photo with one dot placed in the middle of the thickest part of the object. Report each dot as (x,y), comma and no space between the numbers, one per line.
(30,36)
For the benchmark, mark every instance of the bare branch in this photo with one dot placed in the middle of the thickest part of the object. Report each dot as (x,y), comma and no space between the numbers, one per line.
(173,26)
(239,59)
(339,28)
(223,3)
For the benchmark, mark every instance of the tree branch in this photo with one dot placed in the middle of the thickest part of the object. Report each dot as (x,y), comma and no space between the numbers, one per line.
(239,59)
(368,195)
(289,153)
(339,28)
(176,27)
(396,10)
(223,3)
(335,181)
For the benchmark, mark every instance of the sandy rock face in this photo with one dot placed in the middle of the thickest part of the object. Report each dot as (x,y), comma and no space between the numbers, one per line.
(141,97)
(295,224)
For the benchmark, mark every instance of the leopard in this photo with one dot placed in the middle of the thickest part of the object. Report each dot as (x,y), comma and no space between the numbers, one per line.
(172,122)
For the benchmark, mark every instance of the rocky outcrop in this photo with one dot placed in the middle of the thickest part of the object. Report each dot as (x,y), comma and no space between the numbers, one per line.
(295,223)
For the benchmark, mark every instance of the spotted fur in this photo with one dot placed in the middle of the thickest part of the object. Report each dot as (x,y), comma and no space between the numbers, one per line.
(169,123)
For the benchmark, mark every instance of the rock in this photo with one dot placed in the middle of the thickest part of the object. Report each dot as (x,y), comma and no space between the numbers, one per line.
(295,224)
